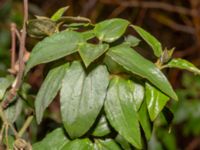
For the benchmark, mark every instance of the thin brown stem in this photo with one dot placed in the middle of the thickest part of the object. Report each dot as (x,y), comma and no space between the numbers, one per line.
(22,50)
(13,45)
(1,133)
(18,34)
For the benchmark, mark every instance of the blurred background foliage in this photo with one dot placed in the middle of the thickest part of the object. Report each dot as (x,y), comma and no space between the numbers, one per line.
(176,23)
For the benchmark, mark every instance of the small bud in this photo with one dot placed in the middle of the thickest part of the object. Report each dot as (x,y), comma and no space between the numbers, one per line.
(41,27)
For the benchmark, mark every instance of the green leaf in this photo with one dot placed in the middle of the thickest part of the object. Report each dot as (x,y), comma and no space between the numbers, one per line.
(11,141)
(4,84)
(132,41)
(58,14)
(54,47)
(150,39)
(169,140)
(90,52)
(110,30)
(49,90)
(123,143)
(183,64)
(145,121)
(82,97)
(14,110)
(79,144)
(137,93)
(154,144)
(54,140)
(135,63)
(107,144)
(102,127)
(87,35)
(120,111)
(155,101)
(113,66)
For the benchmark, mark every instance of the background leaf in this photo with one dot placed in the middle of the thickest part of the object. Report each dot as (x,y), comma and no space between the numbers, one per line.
(82,97)
(110,30)
(120,111)
(49,90)
(150,39)
(54,47)
(135,63)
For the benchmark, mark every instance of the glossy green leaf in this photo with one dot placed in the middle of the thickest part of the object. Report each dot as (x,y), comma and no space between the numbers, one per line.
(102,127)
(150,39)
(82,97)
(135,63)
(58,14)
(107,144)
(110,30)
(87,35)
(54,47)
(145,121)
(138,93)
(132,41)
(155,101)
(123,143)
(4,84)
(55,140)
(120,111)
(113,66)
(90,52)
(49,90)
(14,110)
(183,64)
(79,144)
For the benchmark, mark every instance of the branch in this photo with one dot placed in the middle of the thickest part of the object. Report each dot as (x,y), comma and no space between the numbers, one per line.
(22,50)
(13,45)
(153,5)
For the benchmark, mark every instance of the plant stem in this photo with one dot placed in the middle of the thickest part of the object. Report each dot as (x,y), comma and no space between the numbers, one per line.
(25,126)
(22,50)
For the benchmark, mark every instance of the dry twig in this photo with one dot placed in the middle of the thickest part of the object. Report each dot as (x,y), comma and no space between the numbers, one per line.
(153,5)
